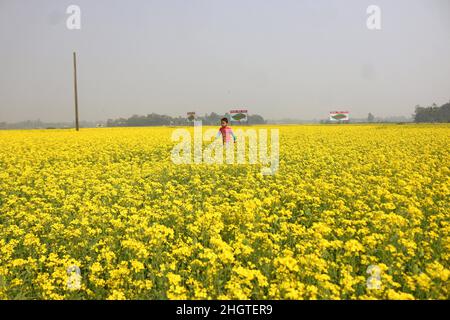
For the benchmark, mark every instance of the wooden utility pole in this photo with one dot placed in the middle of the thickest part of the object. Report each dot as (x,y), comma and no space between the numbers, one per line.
(77,124)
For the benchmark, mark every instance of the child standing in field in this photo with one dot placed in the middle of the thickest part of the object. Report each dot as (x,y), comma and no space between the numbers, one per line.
(225,131)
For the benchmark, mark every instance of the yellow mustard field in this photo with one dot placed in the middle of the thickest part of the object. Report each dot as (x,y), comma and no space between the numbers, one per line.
(353,212)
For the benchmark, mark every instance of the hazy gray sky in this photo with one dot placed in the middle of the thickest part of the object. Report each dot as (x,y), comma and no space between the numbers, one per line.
(283,58)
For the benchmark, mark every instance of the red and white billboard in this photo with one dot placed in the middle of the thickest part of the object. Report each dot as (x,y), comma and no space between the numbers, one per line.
(240,115)
(339,116)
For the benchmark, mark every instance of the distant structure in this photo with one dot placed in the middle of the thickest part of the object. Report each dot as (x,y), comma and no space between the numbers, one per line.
(339,116)
(239,116)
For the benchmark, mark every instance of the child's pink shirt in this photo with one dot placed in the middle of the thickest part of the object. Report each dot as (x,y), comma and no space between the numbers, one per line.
(226,133)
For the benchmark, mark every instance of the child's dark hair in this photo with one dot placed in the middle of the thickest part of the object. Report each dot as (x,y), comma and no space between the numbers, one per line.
(224,119)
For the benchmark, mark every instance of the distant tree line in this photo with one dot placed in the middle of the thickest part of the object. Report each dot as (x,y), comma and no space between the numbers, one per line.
(433,113)
(155,119)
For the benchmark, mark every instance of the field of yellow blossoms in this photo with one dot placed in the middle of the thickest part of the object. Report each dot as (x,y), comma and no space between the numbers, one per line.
(354,212)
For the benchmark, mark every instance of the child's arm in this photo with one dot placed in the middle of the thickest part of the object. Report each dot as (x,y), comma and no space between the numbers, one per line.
(218,134)
(232,134)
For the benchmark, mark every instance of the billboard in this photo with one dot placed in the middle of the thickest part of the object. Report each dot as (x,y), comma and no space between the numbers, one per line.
(339,116)
(239,115)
